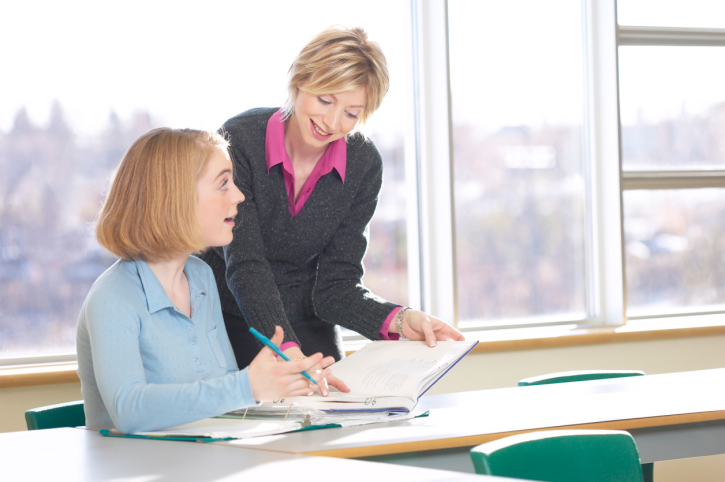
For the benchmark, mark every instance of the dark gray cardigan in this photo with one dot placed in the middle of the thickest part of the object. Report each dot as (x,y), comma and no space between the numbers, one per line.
(281,269)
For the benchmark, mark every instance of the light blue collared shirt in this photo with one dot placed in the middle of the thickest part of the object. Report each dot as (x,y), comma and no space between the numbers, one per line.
(143,364)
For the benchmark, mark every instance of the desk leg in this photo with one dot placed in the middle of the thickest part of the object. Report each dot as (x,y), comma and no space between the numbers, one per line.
(456,459)
(648,472)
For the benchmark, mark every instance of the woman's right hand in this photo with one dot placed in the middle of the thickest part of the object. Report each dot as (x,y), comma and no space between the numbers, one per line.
(271,380)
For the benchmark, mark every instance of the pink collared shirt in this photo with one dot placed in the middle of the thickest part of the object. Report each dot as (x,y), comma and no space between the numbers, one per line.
(335,157)
(275,152)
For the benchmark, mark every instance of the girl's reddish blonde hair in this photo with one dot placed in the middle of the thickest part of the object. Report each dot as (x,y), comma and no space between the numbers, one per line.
(151,209)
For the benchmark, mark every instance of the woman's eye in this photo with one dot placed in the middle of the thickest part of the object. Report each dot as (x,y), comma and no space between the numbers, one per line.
(352,116)
(324,101)
(224,184)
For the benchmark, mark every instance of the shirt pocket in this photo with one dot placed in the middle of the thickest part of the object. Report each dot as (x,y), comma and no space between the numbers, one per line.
(216,347)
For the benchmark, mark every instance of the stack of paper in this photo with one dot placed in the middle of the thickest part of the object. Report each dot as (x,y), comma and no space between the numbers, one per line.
(217,428)
(307,417)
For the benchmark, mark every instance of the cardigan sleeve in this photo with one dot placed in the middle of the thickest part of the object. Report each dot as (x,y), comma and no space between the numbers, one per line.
(248,272)
(339,295)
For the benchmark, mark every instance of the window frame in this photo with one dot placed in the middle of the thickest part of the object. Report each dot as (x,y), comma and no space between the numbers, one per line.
(433,161)
(601,156)
(606,180)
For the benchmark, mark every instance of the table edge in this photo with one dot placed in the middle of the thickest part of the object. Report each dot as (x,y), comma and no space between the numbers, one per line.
(472,440)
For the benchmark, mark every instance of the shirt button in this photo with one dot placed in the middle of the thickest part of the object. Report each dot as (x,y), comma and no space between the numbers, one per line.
(190,328)
(193,343)
(196,360)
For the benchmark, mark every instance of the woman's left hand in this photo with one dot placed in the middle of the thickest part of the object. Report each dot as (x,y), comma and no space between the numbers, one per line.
(420,326)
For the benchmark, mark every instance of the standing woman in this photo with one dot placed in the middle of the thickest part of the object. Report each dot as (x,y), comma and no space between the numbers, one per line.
(311,185)
(152,348)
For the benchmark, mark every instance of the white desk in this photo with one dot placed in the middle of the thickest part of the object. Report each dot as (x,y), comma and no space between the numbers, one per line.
(68,454)
(673,415)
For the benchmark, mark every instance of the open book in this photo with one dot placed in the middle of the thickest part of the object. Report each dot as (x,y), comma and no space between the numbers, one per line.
(386,379)
(383,376)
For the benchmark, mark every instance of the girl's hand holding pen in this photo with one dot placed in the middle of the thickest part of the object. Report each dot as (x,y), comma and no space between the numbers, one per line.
(295,353)
(271,380)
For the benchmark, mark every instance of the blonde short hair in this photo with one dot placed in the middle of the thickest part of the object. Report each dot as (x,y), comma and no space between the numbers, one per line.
(337,60)
(151,209)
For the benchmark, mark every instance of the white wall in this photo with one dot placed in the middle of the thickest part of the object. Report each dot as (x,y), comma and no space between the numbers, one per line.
(15,401)
(505,369)
(497,370)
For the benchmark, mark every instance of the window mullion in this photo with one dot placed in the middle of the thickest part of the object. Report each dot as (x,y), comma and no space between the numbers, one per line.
(671,36)
(680,179)
(434,159)
(608,306)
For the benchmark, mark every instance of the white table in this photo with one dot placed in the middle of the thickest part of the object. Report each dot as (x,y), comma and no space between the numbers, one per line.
(68,454)
(671,416)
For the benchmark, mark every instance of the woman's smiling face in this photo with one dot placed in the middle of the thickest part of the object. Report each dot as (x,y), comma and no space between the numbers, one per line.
(325,118)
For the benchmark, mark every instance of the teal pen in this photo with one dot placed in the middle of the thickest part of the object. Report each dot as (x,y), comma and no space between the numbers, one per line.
(274,347)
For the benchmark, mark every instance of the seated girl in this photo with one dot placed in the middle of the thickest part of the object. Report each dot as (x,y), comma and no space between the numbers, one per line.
(153,351)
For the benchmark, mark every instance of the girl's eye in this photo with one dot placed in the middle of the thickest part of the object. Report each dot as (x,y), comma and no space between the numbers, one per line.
(352,116)
(224,184)
(324,101)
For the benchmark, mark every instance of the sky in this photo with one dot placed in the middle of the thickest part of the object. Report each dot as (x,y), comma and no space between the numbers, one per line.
(665,82)
(672,13)
(195,64)
(516,63)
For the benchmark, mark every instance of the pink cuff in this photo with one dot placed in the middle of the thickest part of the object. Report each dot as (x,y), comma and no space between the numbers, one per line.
(386,326)
(287,344)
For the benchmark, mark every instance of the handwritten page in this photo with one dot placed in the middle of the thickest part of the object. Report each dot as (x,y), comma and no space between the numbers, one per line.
(401,368)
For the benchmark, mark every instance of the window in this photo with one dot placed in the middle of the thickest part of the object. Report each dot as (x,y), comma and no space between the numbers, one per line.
(673,155)
(673,245)
(558,214)
(518,161)
(547,161)
(658,13)
(89,77)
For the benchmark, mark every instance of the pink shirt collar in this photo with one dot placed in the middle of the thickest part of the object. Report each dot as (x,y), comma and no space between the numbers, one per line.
(335,156)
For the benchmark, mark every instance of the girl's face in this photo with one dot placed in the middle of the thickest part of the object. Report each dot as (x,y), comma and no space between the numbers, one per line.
(217,197)
(325,118)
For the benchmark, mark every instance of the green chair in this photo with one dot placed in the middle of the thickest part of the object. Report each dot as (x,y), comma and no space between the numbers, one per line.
(578,376)
(68,414)
(561,456)
(583,375)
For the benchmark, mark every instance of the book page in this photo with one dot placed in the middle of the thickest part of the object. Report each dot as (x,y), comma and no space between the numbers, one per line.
(393,376)
(386,375)
(397,368)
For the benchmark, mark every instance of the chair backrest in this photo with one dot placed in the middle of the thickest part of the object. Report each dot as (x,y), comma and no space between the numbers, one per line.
(578,376)
(68,414)
(561,456)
